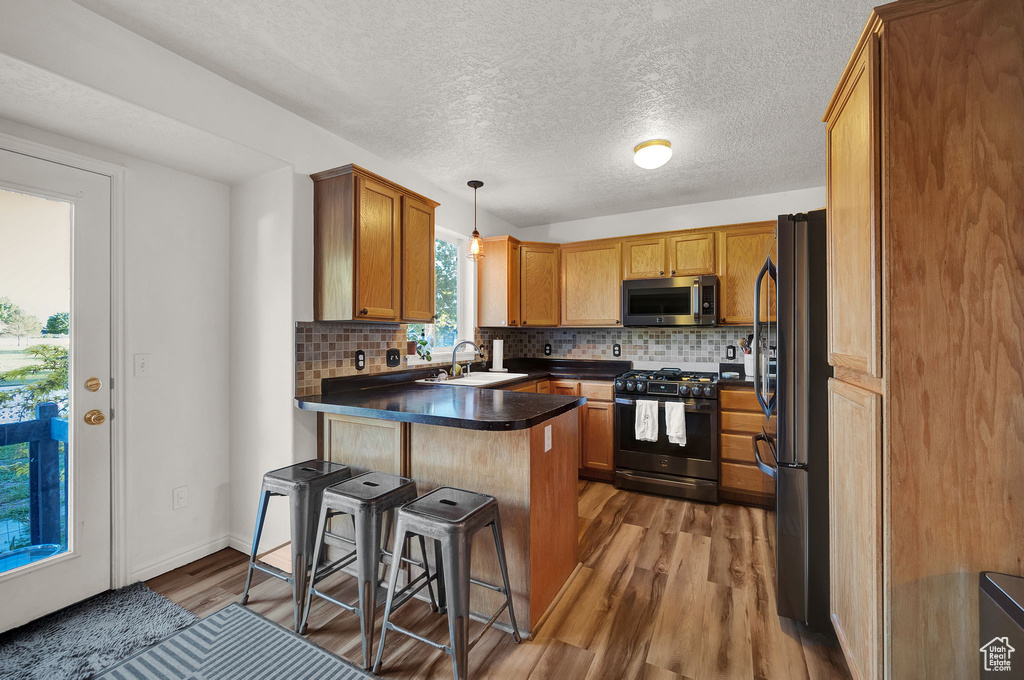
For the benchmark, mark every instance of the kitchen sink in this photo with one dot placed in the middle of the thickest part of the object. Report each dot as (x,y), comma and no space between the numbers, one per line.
(485,379)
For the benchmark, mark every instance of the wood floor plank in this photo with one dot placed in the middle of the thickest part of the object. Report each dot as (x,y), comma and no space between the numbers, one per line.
(726,645)
(679,625)
(669,590)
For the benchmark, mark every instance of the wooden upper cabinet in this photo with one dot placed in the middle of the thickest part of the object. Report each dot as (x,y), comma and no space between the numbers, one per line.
(741,254)
(539,284)
(378,251)
(417,261)
(591,284)
(855,521)
(691,254)
(498,282)
(370,235)
(644,257)
(854,273)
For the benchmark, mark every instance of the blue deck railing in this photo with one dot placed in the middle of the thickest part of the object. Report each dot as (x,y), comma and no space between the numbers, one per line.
(47,486)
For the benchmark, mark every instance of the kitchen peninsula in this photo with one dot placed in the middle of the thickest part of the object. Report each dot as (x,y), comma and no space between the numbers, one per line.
(520,448)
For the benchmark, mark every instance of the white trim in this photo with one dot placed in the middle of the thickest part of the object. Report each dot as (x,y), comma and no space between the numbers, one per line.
(242,545)
(119,573)
(180,559)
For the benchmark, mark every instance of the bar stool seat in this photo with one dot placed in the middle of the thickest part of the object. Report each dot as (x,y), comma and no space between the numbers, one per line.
(304,484)
(365,498)
(450,517)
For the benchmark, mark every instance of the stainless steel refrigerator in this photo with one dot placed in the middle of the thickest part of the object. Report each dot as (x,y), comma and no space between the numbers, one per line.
(797,457)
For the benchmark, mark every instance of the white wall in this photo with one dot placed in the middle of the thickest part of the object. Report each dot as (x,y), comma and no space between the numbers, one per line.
(176,309)
(713,213)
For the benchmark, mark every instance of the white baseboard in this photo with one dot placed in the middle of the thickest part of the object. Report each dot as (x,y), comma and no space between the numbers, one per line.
(242,545)
(180,559)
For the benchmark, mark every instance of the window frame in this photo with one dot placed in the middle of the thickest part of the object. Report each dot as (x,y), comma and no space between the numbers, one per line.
(466,294)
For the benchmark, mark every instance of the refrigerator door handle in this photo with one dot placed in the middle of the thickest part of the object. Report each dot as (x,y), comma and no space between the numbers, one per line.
(761,391)
(770,470)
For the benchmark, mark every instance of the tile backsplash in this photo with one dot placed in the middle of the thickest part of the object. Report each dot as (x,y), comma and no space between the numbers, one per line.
(325,349)
(680,345)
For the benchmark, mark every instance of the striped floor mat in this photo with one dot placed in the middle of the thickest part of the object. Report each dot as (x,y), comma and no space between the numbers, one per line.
(230,644)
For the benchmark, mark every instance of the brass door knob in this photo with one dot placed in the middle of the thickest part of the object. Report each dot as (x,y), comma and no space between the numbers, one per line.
(95,417)
(93,384)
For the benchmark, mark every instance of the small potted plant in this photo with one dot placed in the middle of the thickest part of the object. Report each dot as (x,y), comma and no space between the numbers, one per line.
(423,348)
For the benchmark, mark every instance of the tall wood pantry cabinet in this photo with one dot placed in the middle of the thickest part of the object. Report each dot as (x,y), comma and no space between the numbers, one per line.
(926,294)
(373,249)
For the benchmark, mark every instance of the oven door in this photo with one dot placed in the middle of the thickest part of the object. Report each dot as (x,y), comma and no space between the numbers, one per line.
(660,302)
(698,458)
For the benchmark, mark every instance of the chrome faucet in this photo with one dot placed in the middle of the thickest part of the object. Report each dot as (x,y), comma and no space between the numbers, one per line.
(455,352)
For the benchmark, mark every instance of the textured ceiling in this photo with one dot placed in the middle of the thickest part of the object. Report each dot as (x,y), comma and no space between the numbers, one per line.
(541,99)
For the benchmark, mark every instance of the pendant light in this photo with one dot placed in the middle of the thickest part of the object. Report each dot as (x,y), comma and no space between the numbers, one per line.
(476,244)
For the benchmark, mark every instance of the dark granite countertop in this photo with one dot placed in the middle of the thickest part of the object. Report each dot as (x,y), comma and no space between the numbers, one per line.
(463,407)
(396,395)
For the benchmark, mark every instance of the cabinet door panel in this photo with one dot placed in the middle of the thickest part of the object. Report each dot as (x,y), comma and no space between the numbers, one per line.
(855,507)
(591,284)
(417,261)
(567,387)
(378,251)
(598,433)
(854,275)
(539,284)
(643,258)
(691,254)
(741,254)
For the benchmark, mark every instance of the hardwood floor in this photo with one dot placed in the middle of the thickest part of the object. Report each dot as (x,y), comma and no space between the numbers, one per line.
(667,590)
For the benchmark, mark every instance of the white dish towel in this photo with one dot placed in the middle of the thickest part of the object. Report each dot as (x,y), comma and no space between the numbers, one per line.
(675,422)
(646,420)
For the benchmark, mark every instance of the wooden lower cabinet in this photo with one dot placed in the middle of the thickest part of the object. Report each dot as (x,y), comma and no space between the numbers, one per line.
(597,434)
(569,388)
(740,418)
(855,509)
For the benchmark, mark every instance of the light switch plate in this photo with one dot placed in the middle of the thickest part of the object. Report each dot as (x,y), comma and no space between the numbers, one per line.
(142,362)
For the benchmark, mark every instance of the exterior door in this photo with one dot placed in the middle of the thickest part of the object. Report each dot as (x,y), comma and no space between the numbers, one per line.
(54,386)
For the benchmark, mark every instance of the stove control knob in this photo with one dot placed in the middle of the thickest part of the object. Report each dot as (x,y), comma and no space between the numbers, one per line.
(641,387)
(684,390)
(630,386)
(708,391)
(619,385)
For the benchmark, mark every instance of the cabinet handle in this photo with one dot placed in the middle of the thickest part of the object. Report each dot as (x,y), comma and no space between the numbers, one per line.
(617,321)
(673,272)
(363,311)
(661,273)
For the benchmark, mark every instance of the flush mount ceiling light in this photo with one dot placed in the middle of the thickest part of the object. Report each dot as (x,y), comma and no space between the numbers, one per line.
(476,245)
(652,154)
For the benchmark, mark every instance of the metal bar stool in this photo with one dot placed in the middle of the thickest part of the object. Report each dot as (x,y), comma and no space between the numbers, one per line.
(365,498)
(303,484)
(451,517)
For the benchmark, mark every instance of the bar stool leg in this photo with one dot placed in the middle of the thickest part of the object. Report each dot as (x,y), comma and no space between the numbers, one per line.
(368,531)
(261,514)
(442,602)
(426,568)
(396,562)
(499,545)
(456,551)
(301,531)
(321,527)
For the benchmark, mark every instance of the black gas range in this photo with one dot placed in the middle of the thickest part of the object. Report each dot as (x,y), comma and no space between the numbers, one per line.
(689,470)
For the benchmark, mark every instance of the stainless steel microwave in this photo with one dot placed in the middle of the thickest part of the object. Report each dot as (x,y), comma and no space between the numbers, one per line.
(676,301)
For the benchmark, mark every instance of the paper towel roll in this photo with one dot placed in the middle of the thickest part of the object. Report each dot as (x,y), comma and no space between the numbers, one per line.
(498,358)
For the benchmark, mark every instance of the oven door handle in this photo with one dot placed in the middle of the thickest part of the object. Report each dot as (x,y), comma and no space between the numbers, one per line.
(690,407)
(770,470)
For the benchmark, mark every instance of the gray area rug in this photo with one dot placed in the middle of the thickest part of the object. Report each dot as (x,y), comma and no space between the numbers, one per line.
(87,637)
(232,644)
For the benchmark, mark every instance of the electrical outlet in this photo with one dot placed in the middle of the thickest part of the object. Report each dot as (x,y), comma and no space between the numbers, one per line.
(360,359)
(547,349)
(142,362)
(547,437)
(730,352)
(616,350)
(179,498)
(392,358)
